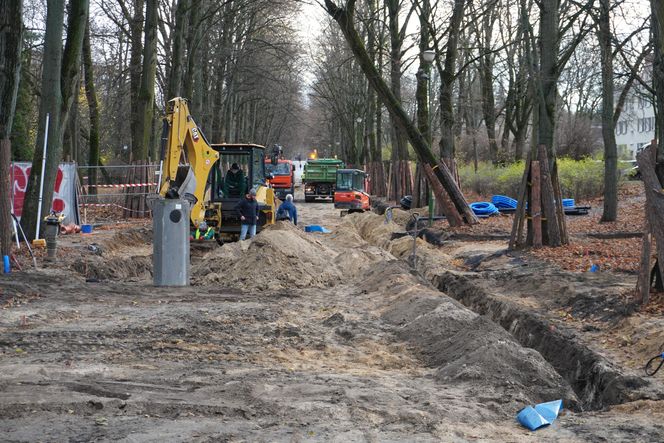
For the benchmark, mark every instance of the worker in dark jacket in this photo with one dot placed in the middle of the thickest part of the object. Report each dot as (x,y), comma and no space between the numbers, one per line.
(235,183)
(287,210)
(247,209)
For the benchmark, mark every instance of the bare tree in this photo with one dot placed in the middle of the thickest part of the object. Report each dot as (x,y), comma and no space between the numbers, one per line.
(447,191)
(60,74)
(11,37)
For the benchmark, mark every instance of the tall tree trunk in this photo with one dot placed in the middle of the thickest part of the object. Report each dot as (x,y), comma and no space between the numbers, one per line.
(146,94)
(657,29)
(447,77)
(51,104)
(136,49)
(93,109)
(11,38)
(175,74)
(401,177)
(193,63)
(77,19)
(486,82)
(421,191)
(608,127)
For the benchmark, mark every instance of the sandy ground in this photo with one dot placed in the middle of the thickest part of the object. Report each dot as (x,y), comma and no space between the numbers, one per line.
(290,337)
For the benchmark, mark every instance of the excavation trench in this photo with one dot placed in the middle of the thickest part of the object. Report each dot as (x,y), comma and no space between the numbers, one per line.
(596,381)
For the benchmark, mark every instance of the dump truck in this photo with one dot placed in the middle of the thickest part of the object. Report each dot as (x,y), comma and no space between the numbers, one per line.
(319,178)
(281,177)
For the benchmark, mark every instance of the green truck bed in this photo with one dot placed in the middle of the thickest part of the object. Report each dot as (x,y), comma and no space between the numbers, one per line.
(321,170)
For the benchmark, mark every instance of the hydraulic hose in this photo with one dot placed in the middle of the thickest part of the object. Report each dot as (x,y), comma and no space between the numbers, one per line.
(651,364)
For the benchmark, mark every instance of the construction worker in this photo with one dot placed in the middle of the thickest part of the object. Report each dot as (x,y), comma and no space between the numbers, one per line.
(203,232)
(248,212)
(235,183)
(287,210)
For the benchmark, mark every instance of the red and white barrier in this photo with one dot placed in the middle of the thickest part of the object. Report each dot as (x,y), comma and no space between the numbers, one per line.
(127,185)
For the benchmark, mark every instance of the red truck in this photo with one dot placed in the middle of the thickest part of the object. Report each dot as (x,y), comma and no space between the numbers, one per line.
(281,177)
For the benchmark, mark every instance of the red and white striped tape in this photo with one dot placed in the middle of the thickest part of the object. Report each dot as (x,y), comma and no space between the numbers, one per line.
(102,205)
(127,185)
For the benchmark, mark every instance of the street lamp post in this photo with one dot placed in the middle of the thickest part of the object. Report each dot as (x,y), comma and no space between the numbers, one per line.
(427,57)
(358,135)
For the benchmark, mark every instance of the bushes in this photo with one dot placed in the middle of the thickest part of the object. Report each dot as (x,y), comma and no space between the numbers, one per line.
(490,179)
(579,179)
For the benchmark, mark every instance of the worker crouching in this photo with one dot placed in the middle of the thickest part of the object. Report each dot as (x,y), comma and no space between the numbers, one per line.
(203,232)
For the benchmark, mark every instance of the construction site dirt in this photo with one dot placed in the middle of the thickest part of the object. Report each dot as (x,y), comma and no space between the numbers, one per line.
(296,336)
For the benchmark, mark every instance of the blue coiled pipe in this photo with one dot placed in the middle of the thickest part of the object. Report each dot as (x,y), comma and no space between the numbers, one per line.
(483,208)
(503,202)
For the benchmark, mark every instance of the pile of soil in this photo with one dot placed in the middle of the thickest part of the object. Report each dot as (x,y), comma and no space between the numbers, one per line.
(125,255)
(95,267)
(281,257)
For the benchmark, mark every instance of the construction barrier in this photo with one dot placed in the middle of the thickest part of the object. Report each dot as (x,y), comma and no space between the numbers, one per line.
(65,195)
(121,187)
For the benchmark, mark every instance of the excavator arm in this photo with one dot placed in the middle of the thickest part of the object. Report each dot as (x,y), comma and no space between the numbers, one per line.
(188,159)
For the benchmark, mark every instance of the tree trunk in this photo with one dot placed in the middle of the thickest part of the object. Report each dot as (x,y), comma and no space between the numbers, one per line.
(486,81)
(77,19)
(146,94)
(402,178)
(193,63)
(610,212)
(440,172)
(93,108)
(654,210)
(136,49)
(657,29)
(51,104)
(447,77)
(11,38)
(175,74)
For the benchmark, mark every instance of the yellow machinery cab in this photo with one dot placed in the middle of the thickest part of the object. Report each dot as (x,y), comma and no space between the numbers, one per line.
(228,190)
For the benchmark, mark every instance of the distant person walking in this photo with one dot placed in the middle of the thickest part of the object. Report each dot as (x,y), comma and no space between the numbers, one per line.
(287,210)
(248,211)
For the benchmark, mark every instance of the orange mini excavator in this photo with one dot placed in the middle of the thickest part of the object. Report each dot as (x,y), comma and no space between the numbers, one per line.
(349,193)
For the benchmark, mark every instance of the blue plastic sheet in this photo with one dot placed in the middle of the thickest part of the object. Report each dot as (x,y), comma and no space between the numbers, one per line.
(531,419)
(316,228)
(542,414)
(549,410)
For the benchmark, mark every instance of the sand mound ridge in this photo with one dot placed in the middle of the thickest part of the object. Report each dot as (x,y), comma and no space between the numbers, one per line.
(281,256)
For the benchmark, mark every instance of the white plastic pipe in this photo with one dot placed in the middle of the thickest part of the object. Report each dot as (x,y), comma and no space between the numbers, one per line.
(41,181)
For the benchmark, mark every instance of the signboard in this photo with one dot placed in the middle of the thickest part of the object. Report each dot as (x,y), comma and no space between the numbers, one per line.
(64,195)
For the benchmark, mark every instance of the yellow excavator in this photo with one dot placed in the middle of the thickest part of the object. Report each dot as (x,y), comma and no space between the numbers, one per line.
(213,178)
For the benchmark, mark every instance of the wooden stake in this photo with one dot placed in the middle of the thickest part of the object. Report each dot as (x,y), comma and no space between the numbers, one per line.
(560,211)
(520,214)
(643,283)
(548,200)
(536,208)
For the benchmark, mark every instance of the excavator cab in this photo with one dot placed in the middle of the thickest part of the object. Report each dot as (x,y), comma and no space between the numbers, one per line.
(349,193)
(240,168)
